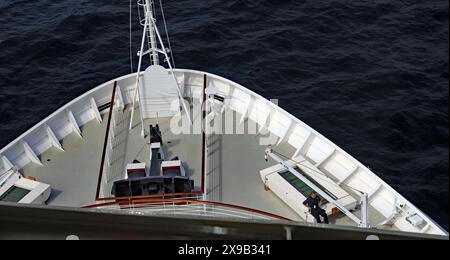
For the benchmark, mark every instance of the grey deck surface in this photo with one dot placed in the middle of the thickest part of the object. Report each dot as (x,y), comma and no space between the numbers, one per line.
(234,163)
(186,147)
(72,174)
(233,173)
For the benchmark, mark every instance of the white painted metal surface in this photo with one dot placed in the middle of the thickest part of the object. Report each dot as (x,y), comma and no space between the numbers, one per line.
(154,38)
(158,94)
(305,140)
(324,155)
(271,178)
(38,193)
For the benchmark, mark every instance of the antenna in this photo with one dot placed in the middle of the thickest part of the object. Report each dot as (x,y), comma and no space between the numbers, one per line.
(149,24)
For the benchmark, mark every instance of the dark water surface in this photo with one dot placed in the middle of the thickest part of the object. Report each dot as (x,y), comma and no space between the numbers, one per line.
(371,75)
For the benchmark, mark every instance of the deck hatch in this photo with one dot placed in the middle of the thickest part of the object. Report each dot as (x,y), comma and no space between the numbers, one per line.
(299,185)
(14,194)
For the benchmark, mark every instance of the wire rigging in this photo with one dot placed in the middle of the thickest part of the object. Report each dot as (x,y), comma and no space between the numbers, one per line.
(167,33)
(131,40)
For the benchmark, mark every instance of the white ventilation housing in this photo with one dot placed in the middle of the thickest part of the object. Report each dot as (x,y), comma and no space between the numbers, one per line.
(158,94)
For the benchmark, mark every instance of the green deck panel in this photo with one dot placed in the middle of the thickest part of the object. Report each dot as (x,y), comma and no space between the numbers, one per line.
(304,189)
(14,194)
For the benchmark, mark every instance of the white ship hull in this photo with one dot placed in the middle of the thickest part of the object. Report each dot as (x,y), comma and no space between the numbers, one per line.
(78,128)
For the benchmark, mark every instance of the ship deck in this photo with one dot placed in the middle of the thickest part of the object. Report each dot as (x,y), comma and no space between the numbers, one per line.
(234,162)
(73,173)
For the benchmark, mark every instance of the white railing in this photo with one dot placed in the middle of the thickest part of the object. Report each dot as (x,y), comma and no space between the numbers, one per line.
(190,206)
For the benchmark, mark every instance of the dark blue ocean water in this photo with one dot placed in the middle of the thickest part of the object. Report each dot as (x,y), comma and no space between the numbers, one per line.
(372,75)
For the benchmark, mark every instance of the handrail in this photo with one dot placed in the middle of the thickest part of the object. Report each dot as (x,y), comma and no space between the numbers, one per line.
(131,198)
(189,201)
(105,144)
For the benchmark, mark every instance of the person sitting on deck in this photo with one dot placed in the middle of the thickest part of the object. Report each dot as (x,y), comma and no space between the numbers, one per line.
(313,203)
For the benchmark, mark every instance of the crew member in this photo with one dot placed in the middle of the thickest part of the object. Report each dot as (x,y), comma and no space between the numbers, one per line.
(314,203)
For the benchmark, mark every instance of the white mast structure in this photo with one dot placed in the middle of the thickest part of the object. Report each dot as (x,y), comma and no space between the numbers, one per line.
(153,37)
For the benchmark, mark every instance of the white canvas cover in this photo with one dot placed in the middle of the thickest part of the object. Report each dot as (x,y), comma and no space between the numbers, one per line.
(158,94)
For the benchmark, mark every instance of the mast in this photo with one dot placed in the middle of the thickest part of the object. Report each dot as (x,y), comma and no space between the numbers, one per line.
(149,9)
(152,36)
